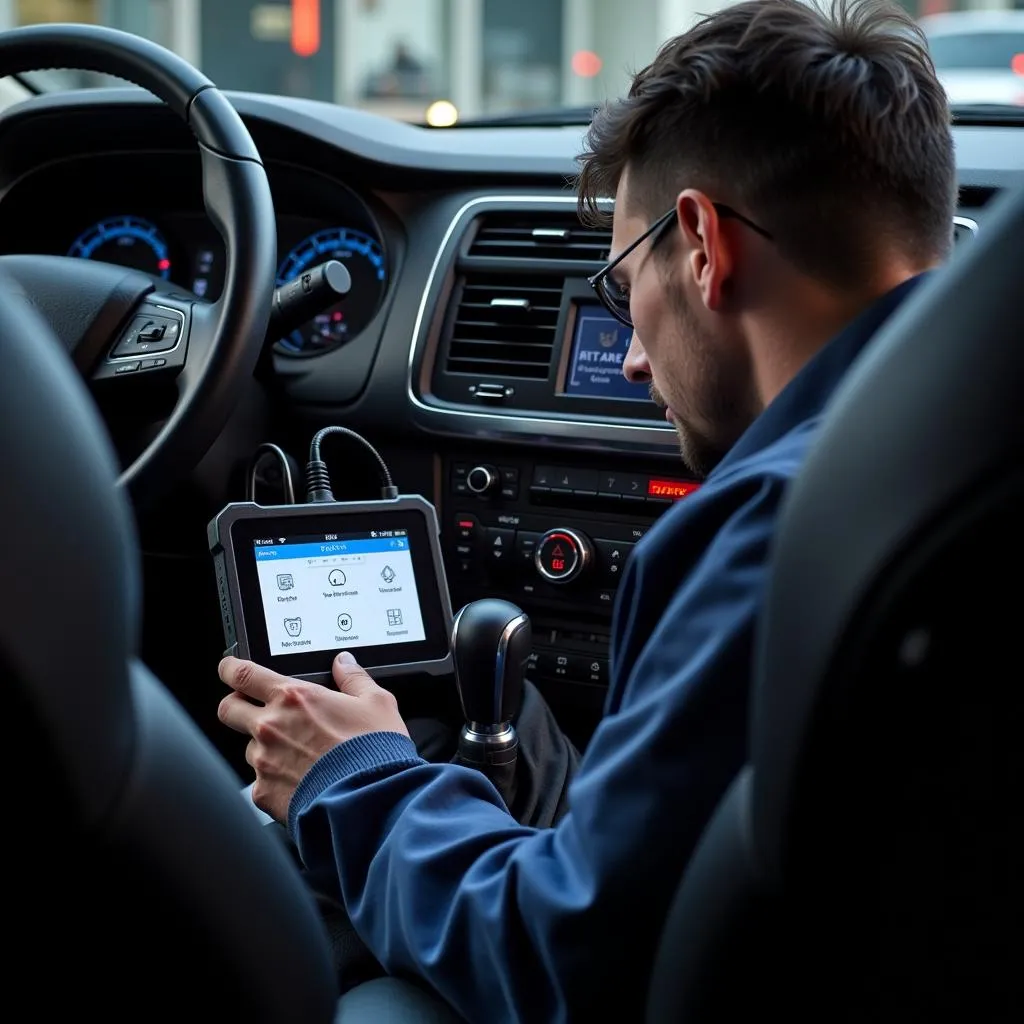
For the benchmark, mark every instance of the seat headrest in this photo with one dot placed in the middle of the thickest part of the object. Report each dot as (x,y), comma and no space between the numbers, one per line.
(933,409)
(70,616)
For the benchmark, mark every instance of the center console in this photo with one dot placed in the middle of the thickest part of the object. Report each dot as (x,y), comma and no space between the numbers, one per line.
(553,536)
(555,464)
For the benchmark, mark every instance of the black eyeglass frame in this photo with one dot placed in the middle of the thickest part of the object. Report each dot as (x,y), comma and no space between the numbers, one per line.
(659,230)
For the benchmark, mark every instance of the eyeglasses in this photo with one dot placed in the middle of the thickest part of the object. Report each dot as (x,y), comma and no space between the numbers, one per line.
(611,293)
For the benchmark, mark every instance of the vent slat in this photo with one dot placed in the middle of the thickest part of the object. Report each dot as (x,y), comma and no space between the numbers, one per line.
(504,327)
(540,235)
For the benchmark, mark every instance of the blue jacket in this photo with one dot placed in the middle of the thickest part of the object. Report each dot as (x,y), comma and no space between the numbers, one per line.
(511,923)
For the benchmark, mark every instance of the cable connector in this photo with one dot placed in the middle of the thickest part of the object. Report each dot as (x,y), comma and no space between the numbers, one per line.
(318,480)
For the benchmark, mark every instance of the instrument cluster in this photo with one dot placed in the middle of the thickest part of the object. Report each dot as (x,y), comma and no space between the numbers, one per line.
(164,231)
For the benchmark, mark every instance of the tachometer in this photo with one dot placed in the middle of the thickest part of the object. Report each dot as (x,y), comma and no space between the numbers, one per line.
(128,242)
(366,263)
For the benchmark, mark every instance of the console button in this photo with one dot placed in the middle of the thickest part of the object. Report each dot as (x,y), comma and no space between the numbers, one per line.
(584,480)
(526,545)
(509,482)
(500,545)
(467,527)
(561,555)
(612,555)
(466,569)
(589,670)
(553,665)
(544,476)
(631,487)
(127,367)
(482,480)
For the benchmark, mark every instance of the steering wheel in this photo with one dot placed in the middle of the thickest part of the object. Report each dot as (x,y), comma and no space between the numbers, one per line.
(125,329)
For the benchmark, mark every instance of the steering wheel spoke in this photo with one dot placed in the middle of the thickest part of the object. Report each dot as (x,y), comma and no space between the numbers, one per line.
(202,337)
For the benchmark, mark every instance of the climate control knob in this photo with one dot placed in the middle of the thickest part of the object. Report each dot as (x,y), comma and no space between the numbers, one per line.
(482,479)
(562,554)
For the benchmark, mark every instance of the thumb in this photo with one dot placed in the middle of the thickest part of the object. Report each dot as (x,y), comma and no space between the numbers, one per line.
(349,677)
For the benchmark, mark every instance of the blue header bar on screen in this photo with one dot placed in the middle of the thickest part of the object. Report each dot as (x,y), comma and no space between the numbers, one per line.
(325,549)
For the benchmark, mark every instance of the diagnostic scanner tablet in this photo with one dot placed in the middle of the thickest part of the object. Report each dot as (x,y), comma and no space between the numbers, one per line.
(299,583)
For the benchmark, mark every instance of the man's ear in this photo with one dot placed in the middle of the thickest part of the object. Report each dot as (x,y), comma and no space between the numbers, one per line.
(709,258)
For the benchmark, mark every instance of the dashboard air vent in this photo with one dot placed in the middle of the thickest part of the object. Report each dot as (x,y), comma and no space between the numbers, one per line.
(540,235)
(504,326)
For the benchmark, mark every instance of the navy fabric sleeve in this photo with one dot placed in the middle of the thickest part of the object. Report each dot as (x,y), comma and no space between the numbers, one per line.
(514,924)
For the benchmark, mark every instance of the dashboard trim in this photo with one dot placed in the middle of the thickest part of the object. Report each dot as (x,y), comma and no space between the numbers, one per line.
(542,429)
(966,222)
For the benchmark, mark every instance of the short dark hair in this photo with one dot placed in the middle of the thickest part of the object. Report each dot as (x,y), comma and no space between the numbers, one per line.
(828,128)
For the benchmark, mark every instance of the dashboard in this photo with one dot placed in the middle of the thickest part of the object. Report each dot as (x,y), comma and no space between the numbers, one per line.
(470,350)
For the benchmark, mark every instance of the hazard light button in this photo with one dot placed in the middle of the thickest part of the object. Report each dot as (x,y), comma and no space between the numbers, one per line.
(562,554)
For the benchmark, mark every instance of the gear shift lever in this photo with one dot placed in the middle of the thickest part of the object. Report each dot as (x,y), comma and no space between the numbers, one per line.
(491,642)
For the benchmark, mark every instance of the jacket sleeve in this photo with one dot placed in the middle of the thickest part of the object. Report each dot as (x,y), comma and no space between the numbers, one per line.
(510,923)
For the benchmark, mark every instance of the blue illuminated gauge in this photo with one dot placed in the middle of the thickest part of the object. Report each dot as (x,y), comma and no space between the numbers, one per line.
(128,242)
(366,263)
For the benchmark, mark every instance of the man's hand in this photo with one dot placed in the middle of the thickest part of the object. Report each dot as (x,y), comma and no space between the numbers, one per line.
(295,722)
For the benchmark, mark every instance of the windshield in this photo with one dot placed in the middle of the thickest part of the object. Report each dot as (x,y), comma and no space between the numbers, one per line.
(454,61)
(1002,50)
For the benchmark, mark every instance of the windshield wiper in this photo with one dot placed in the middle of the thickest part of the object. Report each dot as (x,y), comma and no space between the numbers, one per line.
(27,83)
(996,115)
(555,117)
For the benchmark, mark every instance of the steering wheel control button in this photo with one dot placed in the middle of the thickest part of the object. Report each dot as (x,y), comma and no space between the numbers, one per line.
(147,334)
(128,367)
(561,555)
(153,364)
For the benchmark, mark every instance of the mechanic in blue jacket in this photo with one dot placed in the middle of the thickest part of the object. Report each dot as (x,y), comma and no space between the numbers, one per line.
(782,179)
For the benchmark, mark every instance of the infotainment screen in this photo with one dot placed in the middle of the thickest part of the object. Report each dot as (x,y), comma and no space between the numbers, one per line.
(599,347)
(298,583)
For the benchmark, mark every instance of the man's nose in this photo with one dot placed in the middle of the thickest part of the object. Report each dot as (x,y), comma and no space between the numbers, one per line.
(635,367)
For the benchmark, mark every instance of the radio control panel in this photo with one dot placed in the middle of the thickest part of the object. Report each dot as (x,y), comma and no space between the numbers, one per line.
(555,538)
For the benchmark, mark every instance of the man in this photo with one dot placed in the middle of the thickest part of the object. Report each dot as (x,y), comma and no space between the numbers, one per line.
(782,180)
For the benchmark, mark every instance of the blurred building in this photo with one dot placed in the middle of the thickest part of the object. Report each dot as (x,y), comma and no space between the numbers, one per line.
(399,56)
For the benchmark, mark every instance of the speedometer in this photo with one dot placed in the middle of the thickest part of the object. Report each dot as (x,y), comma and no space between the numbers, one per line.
(365,261)
(128,242)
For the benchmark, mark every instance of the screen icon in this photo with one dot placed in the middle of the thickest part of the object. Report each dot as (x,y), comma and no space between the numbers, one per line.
(293,627)
(344,622)
(394,616)
(387,574)
(285,581)
(336,578)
